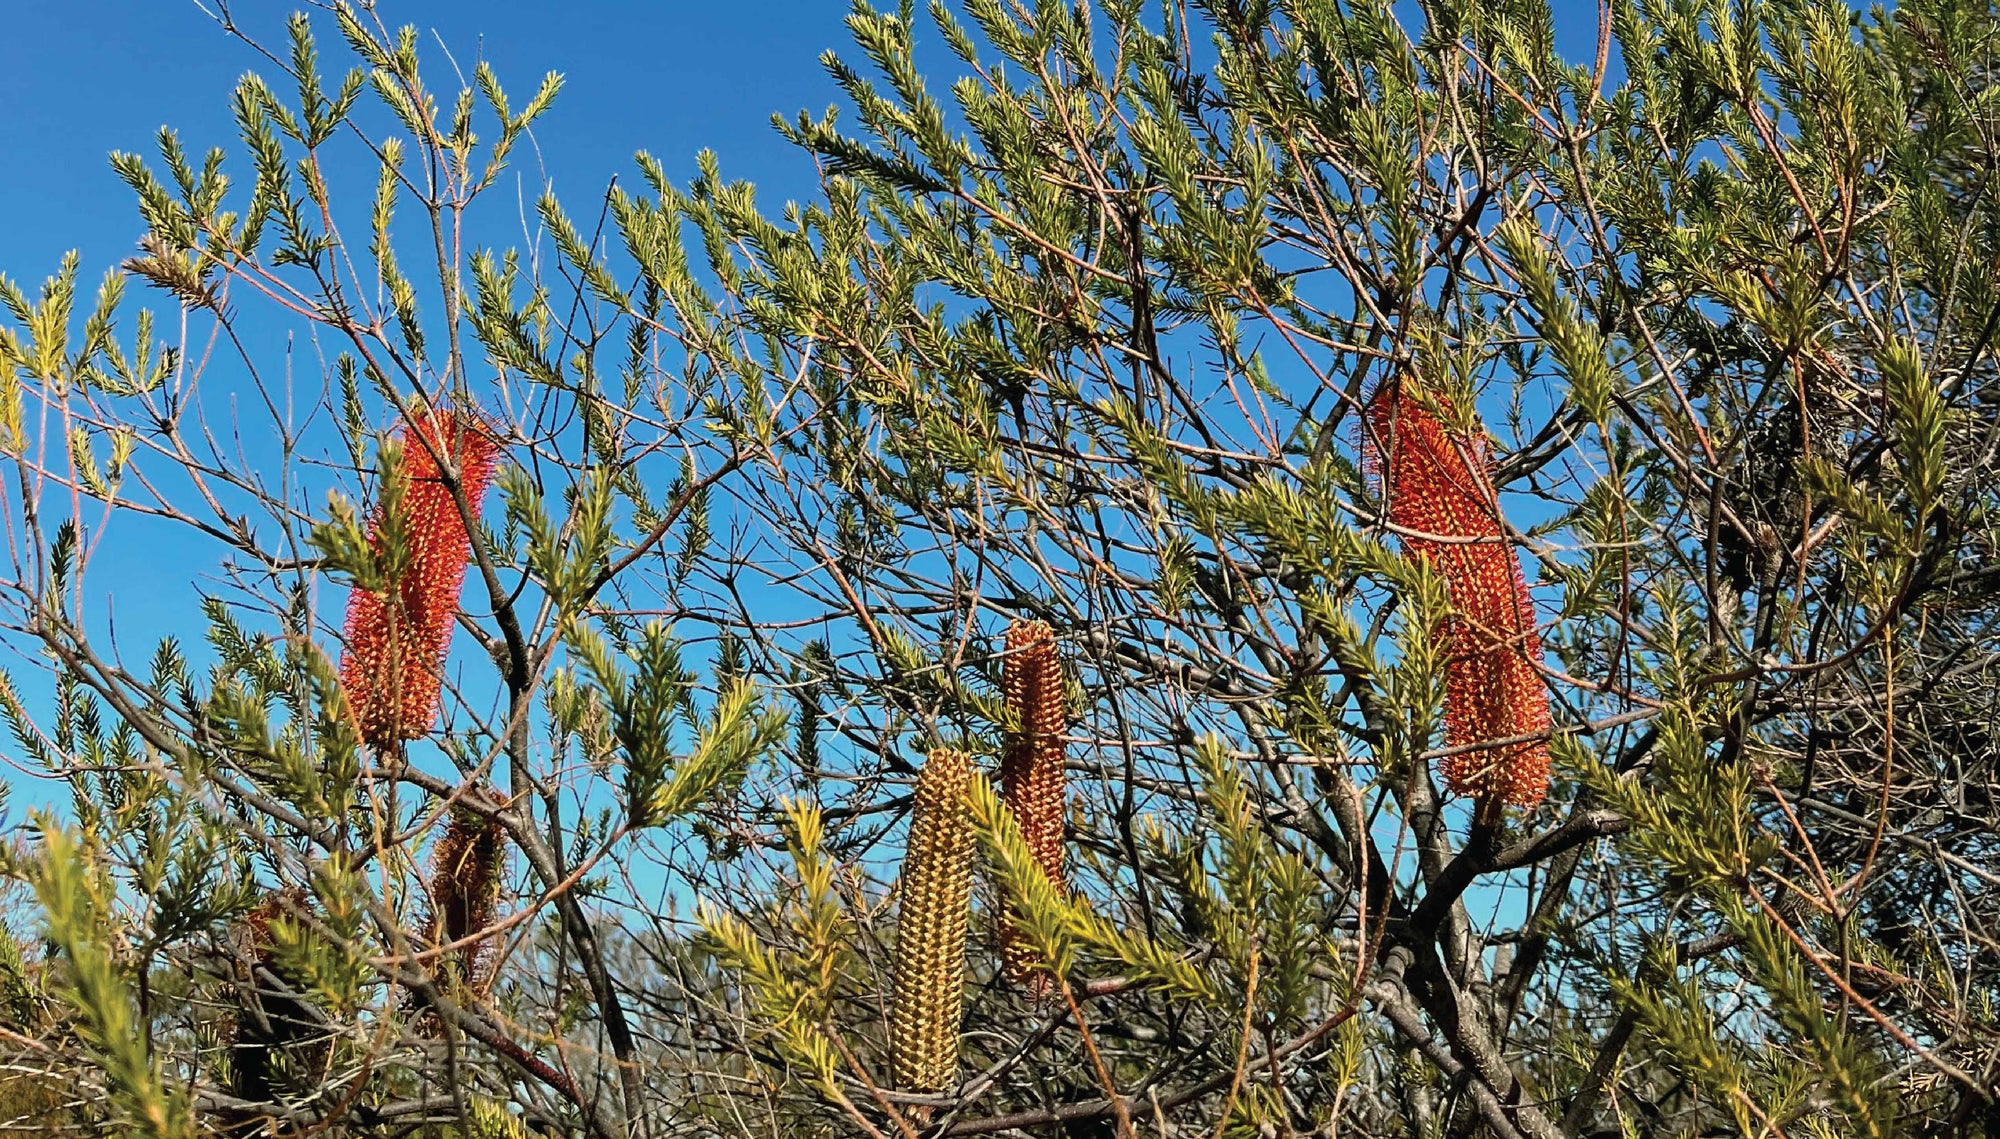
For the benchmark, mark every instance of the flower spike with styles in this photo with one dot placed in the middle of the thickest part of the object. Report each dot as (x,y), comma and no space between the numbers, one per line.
(1032,780)
(270,1022)
(398,639)
(1435,481)
(466,865)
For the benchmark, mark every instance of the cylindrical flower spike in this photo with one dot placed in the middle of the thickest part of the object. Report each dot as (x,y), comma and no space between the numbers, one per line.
(931,928)
(464,887)
(1436,483)
(466,865)
(397,640)
(1033,782)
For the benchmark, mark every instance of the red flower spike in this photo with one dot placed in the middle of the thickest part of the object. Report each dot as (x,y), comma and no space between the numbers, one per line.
(1436,483)
(397,640)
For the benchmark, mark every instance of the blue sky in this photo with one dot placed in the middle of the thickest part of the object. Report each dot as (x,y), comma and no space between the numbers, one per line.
(81,78)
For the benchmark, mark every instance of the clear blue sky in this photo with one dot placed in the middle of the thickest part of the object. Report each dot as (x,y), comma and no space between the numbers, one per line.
(81,78)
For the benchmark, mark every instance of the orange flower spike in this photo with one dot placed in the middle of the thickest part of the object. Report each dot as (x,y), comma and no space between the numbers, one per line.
(1436,483)
(397,640)
(1033,782)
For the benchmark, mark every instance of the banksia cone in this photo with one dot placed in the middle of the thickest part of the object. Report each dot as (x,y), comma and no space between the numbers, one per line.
(465,886)
(1435,480)
(930,931)
(1032,780)
(397,640)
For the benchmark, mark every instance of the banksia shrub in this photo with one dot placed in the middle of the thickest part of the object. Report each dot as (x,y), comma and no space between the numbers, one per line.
(466,866)
(1435,481)
(931,928)
(398,639)
(1032,780)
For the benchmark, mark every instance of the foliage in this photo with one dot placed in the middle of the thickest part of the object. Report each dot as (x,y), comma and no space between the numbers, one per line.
(1086,339)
